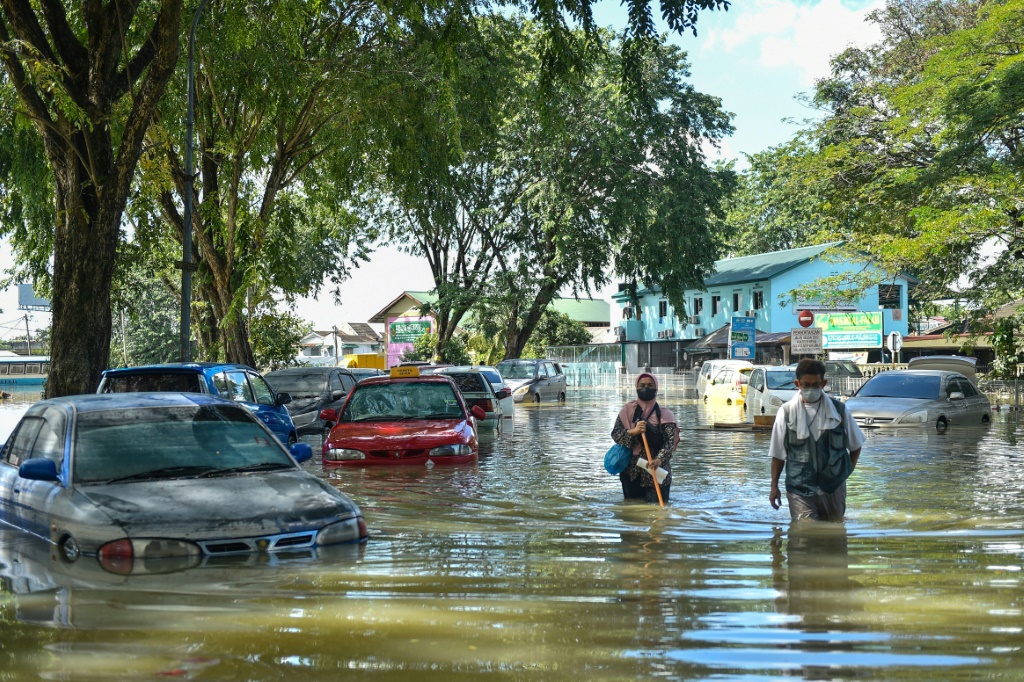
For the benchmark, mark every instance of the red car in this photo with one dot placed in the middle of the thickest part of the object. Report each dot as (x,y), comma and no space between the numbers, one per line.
(403,418)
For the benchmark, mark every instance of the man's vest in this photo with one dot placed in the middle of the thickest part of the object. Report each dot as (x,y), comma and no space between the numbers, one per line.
(818,464)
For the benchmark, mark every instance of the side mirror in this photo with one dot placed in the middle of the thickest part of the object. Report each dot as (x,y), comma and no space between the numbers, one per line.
(302,452)
(956,395)
(39,469)
(478,412)
(283,399)
(848,393)
(328,415)
(337,395)
(503,393)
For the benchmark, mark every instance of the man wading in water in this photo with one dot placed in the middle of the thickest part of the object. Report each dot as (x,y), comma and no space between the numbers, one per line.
(645,416)
(817,442)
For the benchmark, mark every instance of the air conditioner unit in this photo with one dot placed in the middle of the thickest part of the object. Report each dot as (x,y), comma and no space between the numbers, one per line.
(669,333)
(751,313)
(694,319)
(699,332)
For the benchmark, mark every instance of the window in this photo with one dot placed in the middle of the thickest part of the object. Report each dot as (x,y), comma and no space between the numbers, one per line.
(758,300)
(20,444)
(889,295)
(50,441)
(737,298)
(716,304)
(662,308)
(698,306)
(264,396)
(348,382)
(236,387)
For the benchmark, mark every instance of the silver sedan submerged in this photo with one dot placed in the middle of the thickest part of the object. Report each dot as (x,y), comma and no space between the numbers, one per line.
(153,476)
(919,397)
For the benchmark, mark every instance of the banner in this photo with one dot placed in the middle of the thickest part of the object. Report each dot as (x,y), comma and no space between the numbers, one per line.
(402,331)
(850,330)
(741,338)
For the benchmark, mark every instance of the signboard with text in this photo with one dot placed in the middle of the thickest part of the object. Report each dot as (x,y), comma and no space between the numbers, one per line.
(742,335)
(850,330)
(403,332)
(805,341)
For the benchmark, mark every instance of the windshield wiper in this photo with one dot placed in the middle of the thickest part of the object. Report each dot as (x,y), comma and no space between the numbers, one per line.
(439,415)
(166,472)
(260,466)
(380,418)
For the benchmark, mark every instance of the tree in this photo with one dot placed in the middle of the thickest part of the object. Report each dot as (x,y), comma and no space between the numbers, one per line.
(425,350)
(89,77)
(276,337)
(555,329)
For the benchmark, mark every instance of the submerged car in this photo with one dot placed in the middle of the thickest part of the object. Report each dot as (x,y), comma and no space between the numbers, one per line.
(239,383)
(312,389)
(508,404)
(769,388)
(729,385)
(533,380)
(477,391)
(162,476)
(361,373)
(400,419)
(711,368)
(914,396)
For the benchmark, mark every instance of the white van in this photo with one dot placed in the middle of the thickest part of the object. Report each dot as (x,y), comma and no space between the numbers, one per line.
(711,368)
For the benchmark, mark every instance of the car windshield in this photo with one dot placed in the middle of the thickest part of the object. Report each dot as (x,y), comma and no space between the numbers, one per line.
(305,385)
(517,370)
(469,382)
(162,382)
(401,400)
(780,380)
(172,442)
(892,385)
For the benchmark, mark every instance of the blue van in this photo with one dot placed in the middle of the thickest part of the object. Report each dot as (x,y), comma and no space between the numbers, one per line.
(239,383)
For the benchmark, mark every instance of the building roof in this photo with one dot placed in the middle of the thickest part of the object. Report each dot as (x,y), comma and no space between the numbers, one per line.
(350,332)
(584,309)
(416,298)
(763,266)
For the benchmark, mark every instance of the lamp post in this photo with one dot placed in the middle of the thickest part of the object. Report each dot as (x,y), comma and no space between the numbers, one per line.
(187,266)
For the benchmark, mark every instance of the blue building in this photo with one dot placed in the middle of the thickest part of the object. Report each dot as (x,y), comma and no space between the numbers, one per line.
(761,287)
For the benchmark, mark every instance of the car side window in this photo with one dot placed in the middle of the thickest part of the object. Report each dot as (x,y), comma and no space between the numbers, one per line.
(50,441)
(557,367)
(968,388)
(755,379)
(348,382)
(19,446)
(221,383)
(264,394)
(238,388)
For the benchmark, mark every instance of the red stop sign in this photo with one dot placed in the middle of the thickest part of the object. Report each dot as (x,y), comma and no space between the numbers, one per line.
(805,318)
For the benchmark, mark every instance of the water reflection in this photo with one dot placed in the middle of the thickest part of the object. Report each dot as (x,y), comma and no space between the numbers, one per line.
(529,564)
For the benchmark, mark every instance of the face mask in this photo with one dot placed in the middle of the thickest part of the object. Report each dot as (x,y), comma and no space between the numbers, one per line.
(811,395)
(646,393)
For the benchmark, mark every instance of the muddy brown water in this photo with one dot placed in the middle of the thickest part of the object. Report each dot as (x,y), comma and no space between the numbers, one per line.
(529,565)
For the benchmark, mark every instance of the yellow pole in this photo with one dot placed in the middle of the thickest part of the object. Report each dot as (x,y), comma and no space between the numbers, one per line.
(654,474)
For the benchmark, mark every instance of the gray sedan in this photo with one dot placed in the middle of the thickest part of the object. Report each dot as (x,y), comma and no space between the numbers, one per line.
(133,477)
(916,397)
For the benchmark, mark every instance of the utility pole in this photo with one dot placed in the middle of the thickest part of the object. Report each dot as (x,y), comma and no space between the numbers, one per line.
(335,329)
(28,336)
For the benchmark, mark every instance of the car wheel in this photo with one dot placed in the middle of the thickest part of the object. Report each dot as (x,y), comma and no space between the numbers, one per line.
(941,424)
(536,397)
(561,397)
(985,419)
(728,401)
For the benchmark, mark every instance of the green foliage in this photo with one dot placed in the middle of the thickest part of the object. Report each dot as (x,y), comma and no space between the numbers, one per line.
(275,338)
(455,351)
(147,314)
(1009,352)
(555,329)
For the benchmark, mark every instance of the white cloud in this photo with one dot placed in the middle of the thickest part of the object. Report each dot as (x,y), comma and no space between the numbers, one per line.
(799,37)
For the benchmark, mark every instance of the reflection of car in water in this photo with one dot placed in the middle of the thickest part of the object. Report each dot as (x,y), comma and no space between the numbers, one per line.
(917,397)
(45,589)
(163,475)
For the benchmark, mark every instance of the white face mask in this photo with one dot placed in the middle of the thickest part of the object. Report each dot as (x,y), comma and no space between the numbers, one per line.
(811,395)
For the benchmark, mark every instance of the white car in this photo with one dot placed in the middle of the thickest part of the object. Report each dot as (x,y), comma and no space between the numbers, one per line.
(769,387)
(508,406)
(710,369)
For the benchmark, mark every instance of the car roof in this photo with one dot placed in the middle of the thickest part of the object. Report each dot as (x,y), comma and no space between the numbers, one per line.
(182,367)
(95,402)
(919,372)
(303,370)
(385,379)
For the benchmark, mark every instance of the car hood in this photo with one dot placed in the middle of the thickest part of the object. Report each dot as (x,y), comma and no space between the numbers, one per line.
(399,435)
(517,383)
(885,407)
(241,505)
(303,405)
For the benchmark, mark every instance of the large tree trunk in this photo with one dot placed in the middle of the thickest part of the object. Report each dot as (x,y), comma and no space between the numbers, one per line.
(518,335)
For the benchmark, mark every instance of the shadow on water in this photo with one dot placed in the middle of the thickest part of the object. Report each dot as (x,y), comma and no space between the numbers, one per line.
(530,564)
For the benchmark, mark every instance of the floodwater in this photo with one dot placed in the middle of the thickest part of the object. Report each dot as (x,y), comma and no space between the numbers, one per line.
(530,566)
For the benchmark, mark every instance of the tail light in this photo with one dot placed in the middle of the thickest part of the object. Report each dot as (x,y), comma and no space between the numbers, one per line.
(116,557)
(485,404)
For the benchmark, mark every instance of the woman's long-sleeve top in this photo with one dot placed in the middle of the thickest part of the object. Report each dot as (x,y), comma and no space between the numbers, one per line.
(621,436)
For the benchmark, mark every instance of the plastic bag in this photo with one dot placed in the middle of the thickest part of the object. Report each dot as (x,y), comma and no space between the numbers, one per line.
(617,459)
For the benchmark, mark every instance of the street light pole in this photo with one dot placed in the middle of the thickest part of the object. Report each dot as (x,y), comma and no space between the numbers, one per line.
(187,266)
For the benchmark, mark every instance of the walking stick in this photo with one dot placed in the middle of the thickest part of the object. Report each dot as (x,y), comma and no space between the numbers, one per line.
(654,472)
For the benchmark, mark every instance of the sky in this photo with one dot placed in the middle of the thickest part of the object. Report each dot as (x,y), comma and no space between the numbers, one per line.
(758,57)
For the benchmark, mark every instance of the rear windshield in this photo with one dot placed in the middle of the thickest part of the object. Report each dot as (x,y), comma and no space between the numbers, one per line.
(891,385)
(469,382)
(780,380)
(206,440)
(517,370)
(305,385)
(402,400)
(186,382)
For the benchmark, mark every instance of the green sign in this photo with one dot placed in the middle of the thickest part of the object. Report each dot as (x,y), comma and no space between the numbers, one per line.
(408,332)
(850,330)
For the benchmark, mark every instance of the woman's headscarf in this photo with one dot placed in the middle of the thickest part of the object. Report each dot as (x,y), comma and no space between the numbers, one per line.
(646,408)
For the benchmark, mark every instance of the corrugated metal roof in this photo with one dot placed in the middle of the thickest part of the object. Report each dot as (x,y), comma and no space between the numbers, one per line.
(584,310)
(763,265)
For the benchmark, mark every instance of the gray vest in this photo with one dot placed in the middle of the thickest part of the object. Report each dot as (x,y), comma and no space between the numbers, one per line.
(823,463)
